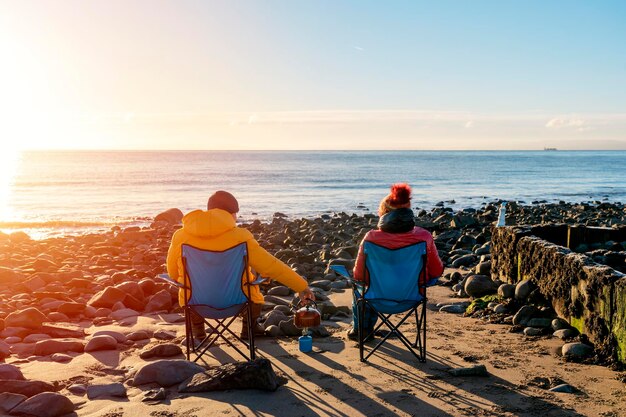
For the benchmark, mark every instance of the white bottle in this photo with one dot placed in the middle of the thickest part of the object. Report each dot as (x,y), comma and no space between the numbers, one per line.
(502,215)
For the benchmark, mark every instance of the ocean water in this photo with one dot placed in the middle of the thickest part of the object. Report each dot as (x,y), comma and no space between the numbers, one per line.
(64,192)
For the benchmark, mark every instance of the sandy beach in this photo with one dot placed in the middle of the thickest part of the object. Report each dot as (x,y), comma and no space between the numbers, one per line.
(64,290)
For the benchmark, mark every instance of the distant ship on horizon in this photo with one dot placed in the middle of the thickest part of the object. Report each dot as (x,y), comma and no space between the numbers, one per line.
(549,149)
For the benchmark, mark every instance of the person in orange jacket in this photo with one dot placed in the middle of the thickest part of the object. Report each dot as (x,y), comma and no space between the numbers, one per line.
(216,229)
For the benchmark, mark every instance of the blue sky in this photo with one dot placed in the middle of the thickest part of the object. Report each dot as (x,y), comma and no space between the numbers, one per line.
(314,74)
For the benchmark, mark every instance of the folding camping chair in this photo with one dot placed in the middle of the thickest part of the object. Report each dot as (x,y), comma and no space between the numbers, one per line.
(397,285)
(213,288)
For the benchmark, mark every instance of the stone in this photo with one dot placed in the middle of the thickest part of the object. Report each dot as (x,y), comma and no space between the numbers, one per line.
(273,331)
(78,389)
(559,323)
(288,328)
(102,342)
(115,390)
(71,309)
(476,370)
(501,309)
(46,404)
(138,335)
(162,350)
(11,340)
(565,334)
(58,317)
(116,335)
(565,388)
(523,289)
(321,283)
(319,331)
(8,371)
(30,318)
(257,374)
(61,358)
(48,347)
(523,315)
(539,322)
(479,285)
(274,317)
(35,337)
(161,301)
(533,331)
(465,260)
(576,350)
(506,291)
(8,401)
(166,372)
(171,216)
(107,298)
(27,388)
(453,308)
(5,350)
(483,268)
(280,290)
(163,335)
(124,313)
(154,395)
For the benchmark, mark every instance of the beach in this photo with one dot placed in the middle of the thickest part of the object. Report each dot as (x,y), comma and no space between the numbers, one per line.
(78,311)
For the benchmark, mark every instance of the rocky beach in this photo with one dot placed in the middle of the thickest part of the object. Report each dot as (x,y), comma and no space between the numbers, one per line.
(87,328)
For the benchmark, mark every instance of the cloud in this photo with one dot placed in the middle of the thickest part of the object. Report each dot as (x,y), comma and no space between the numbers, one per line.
(469,124)
(358,48)
(560,123)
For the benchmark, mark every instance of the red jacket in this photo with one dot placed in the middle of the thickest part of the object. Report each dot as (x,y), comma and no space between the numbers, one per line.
(434,266)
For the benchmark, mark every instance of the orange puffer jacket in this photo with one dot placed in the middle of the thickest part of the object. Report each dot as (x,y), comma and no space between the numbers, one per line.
(216,230)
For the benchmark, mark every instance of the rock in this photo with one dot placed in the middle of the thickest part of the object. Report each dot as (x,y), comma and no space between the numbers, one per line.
(533,331)
(161,301)
(565,334)
(319,331)
(464,260)
(280,290)
(46,404)
(257,374)
(523,289)
(539,322)
(162,350)
(124,314)
(523,315)
(107,298)
(138,335)
(154,395)
(273,331)
(476,370)
(30,318)
(501,309)
(276,300)
(116,390)
(506,290)
(5,350)
(71,309)
(288,328)
(166,372)
(321,283)
(479,285)
(61,358)
(576,350)
(454,308)
(565,388)
(483,268)
(274,317)
(102,342)
(48,347)
(559,323)
(163,335)
(170,216)
(8,401)
(116,335)
(27,388)
(35,337)
(8,371)
(78,389)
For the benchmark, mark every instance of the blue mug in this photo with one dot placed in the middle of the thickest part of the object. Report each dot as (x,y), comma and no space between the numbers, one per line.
(306,343)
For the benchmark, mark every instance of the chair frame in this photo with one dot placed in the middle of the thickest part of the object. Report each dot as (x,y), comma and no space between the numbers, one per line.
(221,329)
(418,348)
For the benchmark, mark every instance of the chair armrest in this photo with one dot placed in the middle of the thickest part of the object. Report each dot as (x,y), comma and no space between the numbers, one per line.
(166,278)
(259,281)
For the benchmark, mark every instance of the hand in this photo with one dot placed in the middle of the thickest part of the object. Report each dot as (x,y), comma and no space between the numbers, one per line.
(307,294)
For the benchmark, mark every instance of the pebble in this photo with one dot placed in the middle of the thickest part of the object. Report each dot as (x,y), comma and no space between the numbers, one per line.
(61,357)
(103,342)
(576,350)
(453,308)
(115,390)
(533,331)
(120,337)
(162,350)
(138,335)
(78,389)
(559,324)
(501,309)
(565,334)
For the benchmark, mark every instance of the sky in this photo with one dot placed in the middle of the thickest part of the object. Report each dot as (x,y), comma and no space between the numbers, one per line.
(131,74)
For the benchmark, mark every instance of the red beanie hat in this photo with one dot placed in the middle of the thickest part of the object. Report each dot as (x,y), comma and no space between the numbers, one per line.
(223,200)
(399,197)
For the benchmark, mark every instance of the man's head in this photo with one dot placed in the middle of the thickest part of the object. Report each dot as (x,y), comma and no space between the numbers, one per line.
(399,197)
(225,201)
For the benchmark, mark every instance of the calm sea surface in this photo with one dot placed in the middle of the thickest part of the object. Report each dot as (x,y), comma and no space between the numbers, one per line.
(71,192)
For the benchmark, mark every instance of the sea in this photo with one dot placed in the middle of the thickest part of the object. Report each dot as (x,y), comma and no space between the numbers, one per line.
(56,193)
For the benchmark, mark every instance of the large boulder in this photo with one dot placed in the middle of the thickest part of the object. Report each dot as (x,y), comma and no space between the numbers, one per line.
(479,285)
(166,372)
(30,318)
(46,404)
(257,374)
(8,401)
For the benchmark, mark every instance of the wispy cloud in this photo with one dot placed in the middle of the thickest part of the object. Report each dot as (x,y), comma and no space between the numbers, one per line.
(358,48)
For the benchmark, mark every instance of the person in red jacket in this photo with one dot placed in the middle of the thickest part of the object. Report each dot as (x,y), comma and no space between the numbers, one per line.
(396,228)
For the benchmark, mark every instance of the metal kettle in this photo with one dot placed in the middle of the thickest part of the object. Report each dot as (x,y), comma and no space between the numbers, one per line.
(307,315)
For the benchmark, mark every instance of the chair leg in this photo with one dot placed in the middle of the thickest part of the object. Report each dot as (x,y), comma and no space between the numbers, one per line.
(360,307)
(423,352)
(188,335)
(251,327)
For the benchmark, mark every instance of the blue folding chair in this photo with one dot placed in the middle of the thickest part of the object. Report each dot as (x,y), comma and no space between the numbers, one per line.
(396,284)
(214,291)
